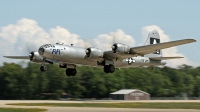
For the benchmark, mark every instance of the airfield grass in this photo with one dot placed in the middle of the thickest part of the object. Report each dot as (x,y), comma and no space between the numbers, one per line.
(22,110)
(118,105)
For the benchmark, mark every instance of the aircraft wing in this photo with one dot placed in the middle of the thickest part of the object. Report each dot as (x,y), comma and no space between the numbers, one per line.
(142,50)
(17,57)
(147,49)
(165,58)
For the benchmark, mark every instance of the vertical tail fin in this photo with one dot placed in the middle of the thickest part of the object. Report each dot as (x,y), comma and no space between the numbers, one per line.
(154,38)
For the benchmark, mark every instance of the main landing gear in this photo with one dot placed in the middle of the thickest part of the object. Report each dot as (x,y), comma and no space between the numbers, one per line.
(70,71)
(109,68)
(43,68)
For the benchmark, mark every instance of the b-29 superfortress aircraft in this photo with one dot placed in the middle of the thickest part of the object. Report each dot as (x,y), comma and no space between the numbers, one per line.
(121,55)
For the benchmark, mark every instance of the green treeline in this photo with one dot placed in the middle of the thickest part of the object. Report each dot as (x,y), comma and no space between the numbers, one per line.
(17,82)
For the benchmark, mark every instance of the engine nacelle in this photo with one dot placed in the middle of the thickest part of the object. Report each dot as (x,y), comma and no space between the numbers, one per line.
(35,57)
(121,48)
(94,53)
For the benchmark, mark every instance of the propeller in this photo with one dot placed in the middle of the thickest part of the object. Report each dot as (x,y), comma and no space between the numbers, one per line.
(27,48)
(87,46)
(114,48)
(88,51)
(31,54)
(113,41)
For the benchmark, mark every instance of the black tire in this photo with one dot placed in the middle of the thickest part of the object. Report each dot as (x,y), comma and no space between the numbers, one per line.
(70,72)
(73,72)
(111,68)
(43,68)
(106,69)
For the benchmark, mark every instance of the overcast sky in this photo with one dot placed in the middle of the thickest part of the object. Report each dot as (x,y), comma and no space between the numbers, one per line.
(97,22)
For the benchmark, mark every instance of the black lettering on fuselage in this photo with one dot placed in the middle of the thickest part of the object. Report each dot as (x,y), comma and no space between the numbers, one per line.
(56,51)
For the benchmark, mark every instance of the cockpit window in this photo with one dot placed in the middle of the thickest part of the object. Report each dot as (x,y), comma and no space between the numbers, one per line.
(46,46)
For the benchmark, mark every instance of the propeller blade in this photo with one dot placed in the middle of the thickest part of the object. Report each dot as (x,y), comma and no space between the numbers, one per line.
(28,49)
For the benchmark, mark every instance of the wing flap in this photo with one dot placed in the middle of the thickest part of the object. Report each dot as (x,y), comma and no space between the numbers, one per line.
(17,57)
(165,58)
(142,50)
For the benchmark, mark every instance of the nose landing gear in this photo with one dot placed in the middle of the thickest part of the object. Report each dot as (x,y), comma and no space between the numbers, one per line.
(43,66)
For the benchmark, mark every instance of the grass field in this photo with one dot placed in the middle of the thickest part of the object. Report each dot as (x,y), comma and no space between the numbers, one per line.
(119,105)
(21,110)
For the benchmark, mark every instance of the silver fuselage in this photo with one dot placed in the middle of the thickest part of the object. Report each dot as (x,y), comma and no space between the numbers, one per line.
(65,54)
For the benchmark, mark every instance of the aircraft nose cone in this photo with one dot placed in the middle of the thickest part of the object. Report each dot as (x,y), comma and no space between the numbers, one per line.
(113,47)
(87,51)
(41,51)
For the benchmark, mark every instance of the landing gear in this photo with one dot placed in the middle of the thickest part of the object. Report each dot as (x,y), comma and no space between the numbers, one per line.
(43,67)
(109,68)
(70,71)
(106,69)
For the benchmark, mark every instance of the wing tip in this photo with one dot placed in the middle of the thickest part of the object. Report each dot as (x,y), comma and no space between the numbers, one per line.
(17,57)
(192,40)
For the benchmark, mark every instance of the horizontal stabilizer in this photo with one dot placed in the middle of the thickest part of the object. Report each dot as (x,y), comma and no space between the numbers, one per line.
(165,58)
(17,57)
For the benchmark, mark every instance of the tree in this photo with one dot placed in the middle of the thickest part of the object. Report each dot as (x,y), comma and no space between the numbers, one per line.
(28,82)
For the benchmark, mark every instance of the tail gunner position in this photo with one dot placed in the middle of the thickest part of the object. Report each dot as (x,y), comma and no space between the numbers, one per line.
(121,55)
